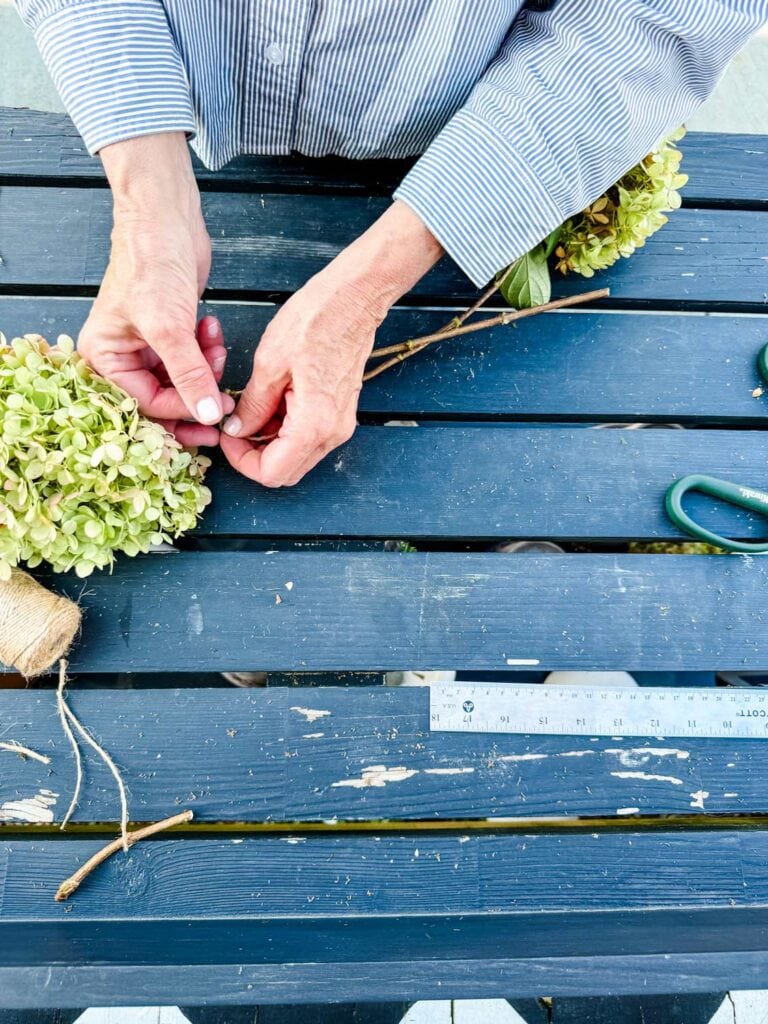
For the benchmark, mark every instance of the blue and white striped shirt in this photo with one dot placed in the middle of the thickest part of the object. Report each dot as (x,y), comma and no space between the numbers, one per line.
(523,114)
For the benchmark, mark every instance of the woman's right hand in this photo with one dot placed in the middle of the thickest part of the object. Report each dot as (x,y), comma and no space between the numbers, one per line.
(142,332)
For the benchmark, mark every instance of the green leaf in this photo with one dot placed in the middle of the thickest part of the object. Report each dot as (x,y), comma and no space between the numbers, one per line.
(526,283)
(551,241)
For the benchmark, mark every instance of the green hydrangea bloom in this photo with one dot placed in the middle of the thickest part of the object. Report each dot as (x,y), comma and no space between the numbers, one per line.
(629,212)
(82,474)
(674,547)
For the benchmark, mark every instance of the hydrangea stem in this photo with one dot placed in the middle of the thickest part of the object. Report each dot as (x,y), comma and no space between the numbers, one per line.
(410,348)
(67,887)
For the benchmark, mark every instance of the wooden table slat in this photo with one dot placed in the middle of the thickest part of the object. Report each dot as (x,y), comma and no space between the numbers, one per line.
(427,916)
(497,482)
(560,366)
(271,244)
(303,755)
(374,611)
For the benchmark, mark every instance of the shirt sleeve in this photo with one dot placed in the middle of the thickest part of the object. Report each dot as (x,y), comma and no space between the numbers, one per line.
(115,65)
(577,95)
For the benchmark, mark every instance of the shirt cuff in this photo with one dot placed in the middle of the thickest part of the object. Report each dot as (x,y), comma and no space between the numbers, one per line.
(116,67)
(479,197)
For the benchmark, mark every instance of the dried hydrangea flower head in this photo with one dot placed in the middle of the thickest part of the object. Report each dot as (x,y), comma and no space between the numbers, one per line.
(82,474)
(629,212)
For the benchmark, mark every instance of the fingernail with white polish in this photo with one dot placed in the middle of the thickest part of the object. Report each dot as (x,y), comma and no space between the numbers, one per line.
(208,410)
(213,328)
(218,364)
(233,426)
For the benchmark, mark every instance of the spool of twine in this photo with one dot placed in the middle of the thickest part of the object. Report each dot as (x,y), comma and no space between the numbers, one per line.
(36,627)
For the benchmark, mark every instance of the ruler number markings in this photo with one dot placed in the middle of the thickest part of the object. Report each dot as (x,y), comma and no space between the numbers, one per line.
(553,710)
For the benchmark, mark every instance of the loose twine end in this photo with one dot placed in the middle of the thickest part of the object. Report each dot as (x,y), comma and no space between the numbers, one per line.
(69,719)
(126,839)
(37,628)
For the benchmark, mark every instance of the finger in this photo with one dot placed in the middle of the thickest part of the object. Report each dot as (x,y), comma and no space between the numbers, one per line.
(134,370)
(284,462)
(190,373)
(143,375)
(258,403)
(243,456)
(244,453)
(307,435)
(210,338)
(155,400)
(155,363)
(158,401)
(192,435)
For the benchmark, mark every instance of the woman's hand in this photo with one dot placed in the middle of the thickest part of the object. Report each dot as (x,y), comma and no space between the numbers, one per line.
(308,367)
(142,331)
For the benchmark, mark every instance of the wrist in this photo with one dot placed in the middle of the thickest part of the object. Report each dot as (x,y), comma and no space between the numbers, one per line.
(151,177)
(389,258)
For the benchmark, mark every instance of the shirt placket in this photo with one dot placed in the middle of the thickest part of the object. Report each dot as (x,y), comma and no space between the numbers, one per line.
(276,37)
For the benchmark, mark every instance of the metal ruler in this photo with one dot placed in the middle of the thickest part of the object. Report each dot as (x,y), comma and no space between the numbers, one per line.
(596,711)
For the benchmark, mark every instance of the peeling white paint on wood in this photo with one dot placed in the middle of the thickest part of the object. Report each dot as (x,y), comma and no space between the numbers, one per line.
(635,757)
(311,714)
(648,777)
(34,810)
(268,245)
(627,810)
(524,757)
(195,620)
(312,735)
(377,775)
(698,798)
(448,771)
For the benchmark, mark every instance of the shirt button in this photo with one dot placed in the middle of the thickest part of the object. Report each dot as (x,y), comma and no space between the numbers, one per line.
(274,54)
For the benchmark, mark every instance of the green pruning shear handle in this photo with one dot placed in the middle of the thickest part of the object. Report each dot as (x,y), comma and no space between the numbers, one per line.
(734,494)
(762,362)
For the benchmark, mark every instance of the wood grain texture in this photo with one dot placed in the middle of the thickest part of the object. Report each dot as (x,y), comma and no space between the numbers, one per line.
(217,611)
(39,147)
(407,913)
(255,756)
(487,978)
(564,366)
(271,244)
(725,169)
(497,482)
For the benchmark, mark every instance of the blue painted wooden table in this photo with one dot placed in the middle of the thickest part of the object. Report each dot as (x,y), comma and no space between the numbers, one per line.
(340,851)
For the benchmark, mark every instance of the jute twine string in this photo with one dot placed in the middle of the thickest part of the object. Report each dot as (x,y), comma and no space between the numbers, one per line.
(36,627)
